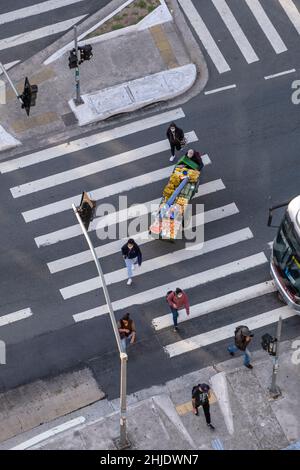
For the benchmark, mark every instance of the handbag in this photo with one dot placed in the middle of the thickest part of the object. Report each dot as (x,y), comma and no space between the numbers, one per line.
(183,142)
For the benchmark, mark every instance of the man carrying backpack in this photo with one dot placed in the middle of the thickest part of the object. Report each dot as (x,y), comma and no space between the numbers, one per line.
(200,397)
(242,339)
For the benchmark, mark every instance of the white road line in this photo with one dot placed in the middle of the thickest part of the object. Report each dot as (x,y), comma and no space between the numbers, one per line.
(120,216)
(270,244)
(286,72)
(266,25)
(235,31)
(51,432)
(217,90)
(188,282)
(141,238)
(99,193)
(160,262)
(95,167)
(292,12)
(92,140)
(218,303)
(40,33)
(9,65)
(225,332)
(36,9)
(15,316)
(204,36)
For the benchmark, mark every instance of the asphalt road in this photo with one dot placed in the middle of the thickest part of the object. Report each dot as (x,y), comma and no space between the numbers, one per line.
(251,136)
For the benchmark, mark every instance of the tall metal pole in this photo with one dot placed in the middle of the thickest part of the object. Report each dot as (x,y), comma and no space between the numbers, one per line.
(11,83)
(78,100)
(123,442)
(275,391)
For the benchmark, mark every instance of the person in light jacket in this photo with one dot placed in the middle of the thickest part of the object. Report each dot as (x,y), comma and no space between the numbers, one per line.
(132,255)
(176,301)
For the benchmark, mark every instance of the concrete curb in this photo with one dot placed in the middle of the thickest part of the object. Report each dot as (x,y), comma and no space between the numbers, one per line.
(133,95)
(7,141)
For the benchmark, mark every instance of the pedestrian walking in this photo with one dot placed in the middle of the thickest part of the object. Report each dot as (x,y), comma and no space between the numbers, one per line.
(132,255)
(195,157)
(242,339)
(176,138)
(200,397)
(86,210)
(127,331)
(176,301)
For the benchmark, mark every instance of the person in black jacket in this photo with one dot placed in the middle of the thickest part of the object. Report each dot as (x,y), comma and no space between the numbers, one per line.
(242,338)
(200,397)
(195,157)
(132,256)
(176,137)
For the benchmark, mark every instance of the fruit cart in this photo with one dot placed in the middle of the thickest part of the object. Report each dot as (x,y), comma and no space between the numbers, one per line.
(184,181)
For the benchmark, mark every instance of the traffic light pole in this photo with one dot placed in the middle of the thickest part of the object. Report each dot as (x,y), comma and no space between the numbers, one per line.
(122,442)
(274,390)
(78,100)
(11,83)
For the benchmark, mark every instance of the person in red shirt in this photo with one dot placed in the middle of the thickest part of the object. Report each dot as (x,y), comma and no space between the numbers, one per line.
(178,300)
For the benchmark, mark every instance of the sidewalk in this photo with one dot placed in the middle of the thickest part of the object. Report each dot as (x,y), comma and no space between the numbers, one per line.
(161,64)
(160,418)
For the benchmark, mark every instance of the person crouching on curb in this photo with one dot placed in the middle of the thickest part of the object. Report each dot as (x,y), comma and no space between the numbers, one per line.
(127,331)
(242,338)
(176,301)
(200,397)
(132,255)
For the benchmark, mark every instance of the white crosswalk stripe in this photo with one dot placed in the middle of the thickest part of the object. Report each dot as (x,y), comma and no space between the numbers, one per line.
(39,33)
(90,141)
(120,216)
(15,316)
(292,13)
(141,238)
(227,331)
(96,167)
(236,31)
(187,282)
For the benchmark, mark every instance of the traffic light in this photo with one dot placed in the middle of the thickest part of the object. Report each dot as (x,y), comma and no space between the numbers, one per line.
(29,96)
(85,53)
(73,59)
(269,344)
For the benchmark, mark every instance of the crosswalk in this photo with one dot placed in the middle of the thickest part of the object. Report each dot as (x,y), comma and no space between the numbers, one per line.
(140,173)
(37,25)
(208,20)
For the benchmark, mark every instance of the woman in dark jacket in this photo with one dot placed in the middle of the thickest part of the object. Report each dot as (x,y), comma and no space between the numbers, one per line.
(175,136)
(132,255)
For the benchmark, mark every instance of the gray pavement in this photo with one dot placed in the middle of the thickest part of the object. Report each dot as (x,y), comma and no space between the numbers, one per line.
(160,418)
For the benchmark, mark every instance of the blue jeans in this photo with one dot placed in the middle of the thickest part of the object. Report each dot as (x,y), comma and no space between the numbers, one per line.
(233,348)
(129,263)
(175,315)
(125,341)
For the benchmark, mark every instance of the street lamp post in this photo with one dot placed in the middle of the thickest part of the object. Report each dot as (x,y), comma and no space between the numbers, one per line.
(274,390)
(78,100)
(122,442)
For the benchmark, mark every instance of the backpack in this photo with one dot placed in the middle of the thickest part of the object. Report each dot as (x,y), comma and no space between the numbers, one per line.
(167,295)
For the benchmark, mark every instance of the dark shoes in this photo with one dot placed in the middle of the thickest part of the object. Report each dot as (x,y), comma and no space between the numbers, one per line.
(211,426)
(175,328)
(231,353)
(249,366)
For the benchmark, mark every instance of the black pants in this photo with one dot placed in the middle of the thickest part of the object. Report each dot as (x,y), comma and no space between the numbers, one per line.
(174,145)
(206,412)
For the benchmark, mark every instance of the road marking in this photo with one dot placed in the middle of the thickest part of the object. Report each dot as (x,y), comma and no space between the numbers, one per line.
(204,36)
(133,211)
(100,193)
(40,33)
(36,9)
(9,65)
(217,90)
(218,303)
(92,140)
(15,316)
(292,12)
(95,167)
(225,332)
(280,74)
(51,432)
(141,238)
(187,282)
(235,31)
(160,262)
(266,25)
(187,407)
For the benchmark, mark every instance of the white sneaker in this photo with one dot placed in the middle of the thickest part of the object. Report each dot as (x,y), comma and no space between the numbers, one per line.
(129,282)
(172,158)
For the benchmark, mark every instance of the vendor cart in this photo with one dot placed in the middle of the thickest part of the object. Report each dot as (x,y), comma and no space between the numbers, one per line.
(183,184)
